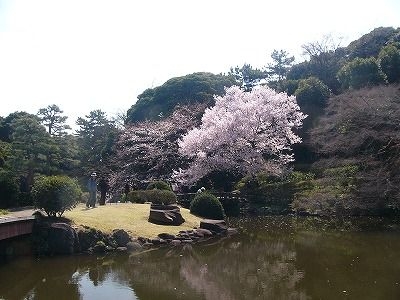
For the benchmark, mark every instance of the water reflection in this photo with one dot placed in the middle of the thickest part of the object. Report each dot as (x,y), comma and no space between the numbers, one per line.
(32,279)
(231,269)
(273,258)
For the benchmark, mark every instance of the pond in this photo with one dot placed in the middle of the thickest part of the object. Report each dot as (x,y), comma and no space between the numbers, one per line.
(271,258)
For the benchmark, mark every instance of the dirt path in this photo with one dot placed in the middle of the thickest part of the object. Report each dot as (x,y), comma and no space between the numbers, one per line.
(18,213)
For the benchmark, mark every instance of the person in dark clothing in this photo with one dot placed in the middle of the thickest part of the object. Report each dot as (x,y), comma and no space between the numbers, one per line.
(103,187)
(127,189)
(92,188)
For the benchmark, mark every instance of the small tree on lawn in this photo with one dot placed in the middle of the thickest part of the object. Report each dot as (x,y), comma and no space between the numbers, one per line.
(244,133)
(56,194)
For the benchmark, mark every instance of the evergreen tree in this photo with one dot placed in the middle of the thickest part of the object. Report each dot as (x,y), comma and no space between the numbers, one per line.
(52,118)
(247,77)
(33,149)
(96,139)
(281,63)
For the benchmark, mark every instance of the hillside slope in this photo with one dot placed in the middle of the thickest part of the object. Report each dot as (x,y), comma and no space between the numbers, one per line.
(357,143)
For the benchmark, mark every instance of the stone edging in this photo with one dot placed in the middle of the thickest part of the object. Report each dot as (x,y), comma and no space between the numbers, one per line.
(61,238)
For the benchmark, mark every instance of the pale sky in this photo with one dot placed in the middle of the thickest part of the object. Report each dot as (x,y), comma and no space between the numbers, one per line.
(84,55)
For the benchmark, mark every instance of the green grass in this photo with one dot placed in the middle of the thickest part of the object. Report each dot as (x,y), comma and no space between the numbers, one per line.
(131,217)
(3,212)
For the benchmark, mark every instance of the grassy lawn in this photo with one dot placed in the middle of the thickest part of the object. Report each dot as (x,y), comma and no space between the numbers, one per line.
(131,217)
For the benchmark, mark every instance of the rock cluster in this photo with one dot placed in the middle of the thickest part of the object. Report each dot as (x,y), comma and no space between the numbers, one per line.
(61,238)
(207,229)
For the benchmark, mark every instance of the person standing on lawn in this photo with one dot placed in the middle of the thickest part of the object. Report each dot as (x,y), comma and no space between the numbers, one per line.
(103,187)
(92,188)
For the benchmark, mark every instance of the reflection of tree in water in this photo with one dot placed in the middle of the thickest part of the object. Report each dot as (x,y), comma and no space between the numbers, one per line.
(57,287)
(263,262)
(256,270)
(58,277)
(234,268)
(155,275)
(99,269)
(93,276)
(49,278)
(258,264)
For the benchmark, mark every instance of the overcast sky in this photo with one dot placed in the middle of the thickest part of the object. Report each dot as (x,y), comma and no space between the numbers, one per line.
(84,55)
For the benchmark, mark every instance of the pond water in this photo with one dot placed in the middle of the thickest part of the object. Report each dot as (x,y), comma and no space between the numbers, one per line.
(271,258)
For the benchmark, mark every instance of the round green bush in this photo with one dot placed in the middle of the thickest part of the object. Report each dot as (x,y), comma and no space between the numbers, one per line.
(159,185)
(389,61)
(206,205)
(155,196)
(135,197)
(56,194)
(159,196)
(311,91)
(361,72)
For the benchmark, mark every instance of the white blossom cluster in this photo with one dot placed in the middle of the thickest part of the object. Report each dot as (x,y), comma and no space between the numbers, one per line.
(245,132)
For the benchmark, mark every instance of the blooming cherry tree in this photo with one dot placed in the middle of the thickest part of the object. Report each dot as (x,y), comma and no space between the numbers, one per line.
(245,133)
(149,150)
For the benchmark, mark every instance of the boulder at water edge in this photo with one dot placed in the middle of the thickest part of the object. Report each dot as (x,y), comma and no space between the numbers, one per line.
(121,237)
(216,226)
(62,239)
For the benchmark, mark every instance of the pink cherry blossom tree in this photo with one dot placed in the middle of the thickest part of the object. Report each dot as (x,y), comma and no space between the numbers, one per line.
(148,150)
(244,133)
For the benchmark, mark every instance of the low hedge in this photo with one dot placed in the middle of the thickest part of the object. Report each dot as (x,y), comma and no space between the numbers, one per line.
(155,196)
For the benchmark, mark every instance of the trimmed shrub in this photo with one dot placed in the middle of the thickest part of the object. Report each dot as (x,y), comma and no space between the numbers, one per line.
(312,91)
(56,194)
(160,185)
(389,61)
(135,197)
(154,196)
(290,86)
(231,206)
(207,206)
(311,95)
(9,190)
(361,72)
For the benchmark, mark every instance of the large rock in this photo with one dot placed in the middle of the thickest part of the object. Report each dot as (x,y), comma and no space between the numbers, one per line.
(166,215)
(166,236)
(217,226)
(88,237)
(121,237)
(134,246)
(61,239)
(201,232)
